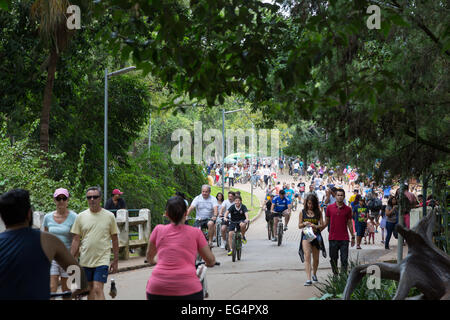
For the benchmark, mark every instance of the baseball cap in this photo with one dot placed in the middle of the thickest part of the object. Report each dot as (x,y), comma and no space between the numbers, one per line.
(61,191)
(117,191)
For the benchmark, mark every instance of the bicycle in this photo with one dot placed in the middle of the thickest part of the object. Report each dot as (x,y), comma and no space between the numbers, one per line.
(219,232)
(280,230)
(236,244)
(204,230)
(201,274)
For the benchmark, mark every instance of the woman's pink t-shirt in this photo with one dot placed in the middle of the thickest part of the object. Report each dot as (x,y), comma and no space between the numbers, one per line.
(177,247)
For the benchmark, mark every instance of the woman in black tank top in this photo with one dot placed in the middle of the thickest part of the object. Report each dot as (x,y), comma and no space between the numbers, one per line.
(311,216)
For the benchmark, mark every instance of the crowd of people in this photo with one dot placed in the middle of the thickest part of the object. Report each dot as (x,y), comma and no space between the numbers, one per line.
(85,239)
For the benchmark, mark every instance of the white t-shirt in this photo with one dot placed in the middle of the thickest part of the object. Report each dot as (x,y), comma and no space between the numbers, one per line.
(296,165)
(266,171)
(231,173)
(321,195)
(204,207)
(318,182)
(227,204)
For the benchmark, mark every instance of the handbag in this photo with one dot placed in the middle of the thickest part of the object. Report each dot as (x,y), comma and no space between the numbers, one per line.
(309,234)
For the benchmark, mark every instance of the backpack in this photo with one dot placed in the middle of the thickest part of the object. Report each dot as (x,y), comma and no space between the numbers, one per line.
(374,204)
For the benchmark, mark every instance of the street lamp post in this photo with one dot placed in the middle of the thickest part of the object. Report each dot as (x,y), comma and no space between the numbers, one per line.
(105,140)
(223,144)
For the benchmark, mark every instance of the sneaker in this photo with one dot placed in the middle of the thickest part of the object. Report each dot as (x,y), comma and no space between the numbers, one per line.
(308,283)
(222,246)
(230,252)
(275,239)
(314,279)
(244,241)
(382,241)
(285,228)
(387,248)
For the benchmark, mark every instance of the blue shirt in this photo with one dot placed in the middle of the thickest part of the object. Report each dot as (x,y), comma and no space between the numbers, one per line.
(289,194)
(280,204)
(61,230)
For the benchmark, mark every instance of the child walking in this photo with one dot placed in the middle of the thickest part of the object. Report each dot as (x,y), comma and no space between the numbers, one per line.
(371,229)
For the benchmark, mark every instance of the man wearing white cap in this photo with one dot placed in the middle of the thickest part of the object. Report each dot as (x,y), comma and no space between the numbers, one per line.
(115,202)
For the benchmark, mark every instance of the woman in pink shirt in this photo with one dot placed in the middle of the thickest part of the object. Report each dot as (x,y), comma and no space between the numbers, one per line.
(176,244)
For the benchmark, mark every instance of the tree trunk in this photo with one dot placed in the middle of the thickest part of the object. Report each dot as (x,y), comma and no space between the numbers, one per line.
(48,92)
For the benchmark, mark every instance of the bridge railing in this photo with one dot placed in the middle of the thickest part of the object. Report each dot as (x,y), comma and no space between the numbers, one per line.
(143,223)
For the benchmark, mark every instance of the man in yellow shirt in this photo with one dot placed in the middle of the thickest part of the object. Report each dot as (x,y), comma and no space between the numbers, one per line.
(353,196)
(94,229)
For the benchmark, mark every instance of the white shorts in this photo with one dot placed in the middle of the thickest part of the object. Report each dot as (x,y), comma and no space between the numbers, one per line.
(57,270)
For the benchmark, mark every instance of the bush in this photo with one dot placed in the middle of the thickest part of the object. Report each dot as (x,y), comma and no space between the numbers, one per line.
(151,178)
(21,166)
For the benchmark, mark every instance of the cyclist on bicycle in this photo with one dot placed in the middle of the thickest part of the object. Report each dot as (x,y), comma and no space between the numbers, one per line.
(267,206)
(206,208)
(238,218)
(281,206)
(225,206)
(173,248)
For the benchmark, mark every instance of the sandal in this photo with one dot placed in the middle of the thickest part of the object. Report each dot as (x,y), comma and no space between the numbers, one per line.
(358,247)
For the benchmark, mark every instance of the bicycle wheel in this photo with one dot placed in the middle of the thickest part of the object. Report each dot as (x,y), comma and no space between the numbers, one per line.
(234,247)
(218,234)
(239,246)
(280,233)
(270,229)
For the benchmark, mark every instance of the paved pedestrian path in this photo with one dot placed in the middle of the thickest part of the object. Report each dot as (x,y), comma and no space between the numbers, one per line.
(266,271)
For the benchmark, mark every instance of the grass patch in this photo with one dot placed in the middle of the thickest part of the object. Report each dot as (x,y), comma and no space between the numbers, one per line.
(246,199)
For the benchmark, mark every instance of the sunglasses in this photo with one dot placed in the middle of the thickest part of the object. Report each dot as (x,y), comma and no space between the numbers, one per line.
(92,197)
(61,198)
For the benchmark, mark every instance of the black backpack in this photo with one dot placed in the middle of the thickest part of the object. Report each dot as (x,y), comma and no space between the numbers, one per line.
(375,205)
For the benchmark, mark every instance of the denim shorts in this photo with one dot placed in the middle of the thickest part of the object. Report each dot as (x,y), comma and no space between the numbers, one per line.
(99,274)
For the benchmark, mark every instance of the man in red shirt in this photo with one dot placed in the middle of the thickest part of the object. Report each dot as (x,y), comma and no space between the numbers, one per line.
(339,217)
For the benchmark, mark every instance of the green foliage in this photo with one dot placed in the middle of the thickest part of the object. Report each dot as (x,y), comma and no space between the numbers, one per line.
(21,166)
(334,285)
(151,178)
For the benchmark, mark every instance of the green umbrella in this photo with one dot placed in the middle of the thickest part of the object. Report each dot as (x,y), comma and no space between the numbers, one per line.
(229,160)
(238,155)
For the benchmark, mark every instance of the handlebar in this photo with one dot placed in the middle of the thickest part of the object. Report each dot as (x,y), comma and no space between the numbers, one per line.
(197,264)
